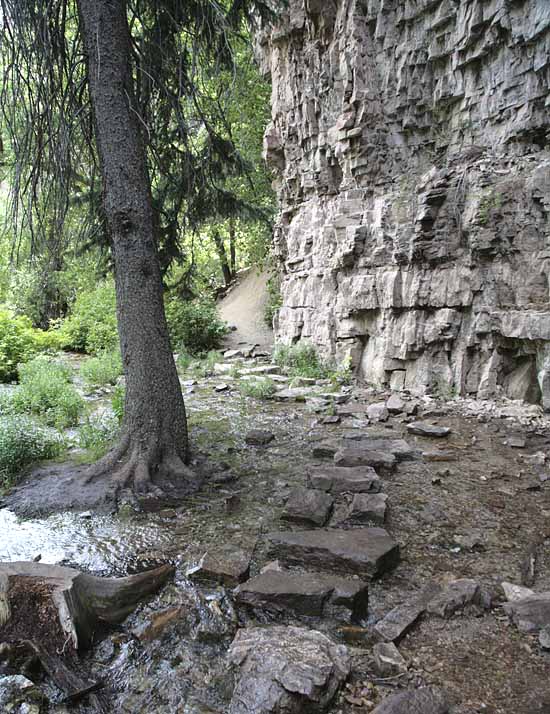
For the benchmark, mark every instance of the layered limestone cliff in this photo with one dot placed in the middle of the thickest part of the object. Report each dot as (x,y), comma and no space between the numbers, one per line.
(410,141)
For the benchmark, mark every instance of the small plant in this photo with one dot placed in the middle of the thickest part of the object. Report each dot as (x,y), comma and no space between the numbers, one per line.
(46,391)
(194,326)
(22,442)
(204,366)
(262,388)
(19,342)
(102,370)
(184,361)
(117,402)
(91,326)
(301,360)
(97,434)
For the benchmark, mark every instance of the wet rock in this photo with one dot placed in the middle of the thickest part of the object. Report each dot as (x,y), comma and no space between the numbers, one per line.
(226,566)
(530,614)
(454,596)
(293,394)
(513,592)
(259,437)
(544,637)
(365,508)
(426,700)
(367,552)
(422,428)
(308,506)
(336,480)
(221,387)
(378,412)
(310,594)
(388,661)
(286,670)
(395,405)
(351,456)
(18,695)
(399,620)
(326,449)
(155,626)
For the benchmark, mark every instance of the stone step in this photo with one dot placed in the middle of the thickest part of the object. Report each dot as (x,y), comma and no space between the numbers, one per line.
(305,594)
(336,480)
(364,509)
(308,506)
(367,552)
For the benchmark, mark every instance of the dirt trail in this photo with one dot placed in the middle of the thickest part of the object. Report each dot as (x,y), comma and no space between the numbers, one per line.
(244,306)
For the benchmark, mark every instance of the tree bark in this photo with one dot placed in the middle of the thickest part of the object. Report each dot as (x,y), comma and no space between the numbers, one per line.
(222,254)
(154,434)
(232,247)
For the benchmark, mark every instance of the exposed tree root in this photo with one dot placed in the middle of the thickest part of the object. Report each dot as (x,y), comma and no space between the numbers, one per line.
(145,469)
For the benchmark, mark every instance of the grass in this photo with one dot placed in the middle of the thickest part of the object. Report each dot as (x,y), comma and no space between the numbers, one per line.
(102,370)
(302,360)
(97,435)
(201,366)
(24,441)
(45,391)
(262,388)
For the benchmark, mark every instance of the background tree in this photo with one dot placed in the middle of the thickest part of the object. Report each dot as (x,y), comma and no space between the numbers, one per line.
(138,99)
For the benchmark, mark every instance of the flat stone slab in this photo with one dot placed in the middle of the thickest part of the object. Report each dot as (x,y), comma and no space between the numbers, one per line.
(398,447)
(326,449)
(388,661)
(285,669)
(224,566)
(364,508)
(453,597)
(263,369)
(336,480)
(258,437)
(308,506)
(352,456)
(305,594)
(398,621)
(422,428)
(426,700)
(530,614)
(294,394)
(367,552)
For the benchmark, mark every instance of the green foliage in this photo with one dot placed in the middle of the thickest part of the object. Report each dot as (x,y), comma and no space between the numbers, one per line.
(117,402)
(204,365)
(91,326)
(22,442)
(302,360)
(19,341)
(194,326)
(46,391)
(262,388)
(97,434)
(102,370)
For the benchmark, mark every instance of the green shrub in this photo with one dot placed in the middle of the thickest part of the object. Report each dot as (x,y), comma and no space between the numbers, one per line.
(194,326)
(300,360)
(262,388)
(102,370)
(91,326)
(46,391)
(19,341)
(204,366)
(97,434)
(22,442)
(184,361)
(117,402)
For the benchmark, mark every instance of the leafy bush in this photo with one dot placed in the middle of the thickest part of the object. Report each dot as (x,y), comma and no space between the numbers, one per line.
(104,369)
(300,360)
(91,326)
(22,442)
(97,434)
(45,390)
(194,326)
(263,388)
(204,366)
(19,341)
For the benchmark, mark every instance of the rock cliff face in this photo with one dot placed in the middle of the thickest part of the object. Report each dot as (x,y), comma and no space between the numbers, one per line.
(410,141)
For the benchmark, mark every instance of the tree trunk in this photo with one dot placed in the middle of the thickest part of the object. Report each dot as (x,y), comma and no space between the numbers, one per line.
(222,254)
(232,247)
(154,433)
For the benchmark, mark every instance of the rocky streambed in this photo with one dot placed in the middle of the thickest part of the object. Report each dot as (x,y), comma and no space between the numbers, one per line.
(347,553)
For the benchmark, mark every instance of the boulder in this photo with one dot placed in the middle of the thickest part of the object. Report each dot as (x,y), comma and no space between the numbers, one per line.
(367,552)
(285,670)
(388,661)
(336,480)
(308,506)
(426,700)
(365,508)
(395,405)
(514,592)
(258,437)
(224,566)
(454,596)
(422,428)
(309,594)
(378,412)
(530,614)
(398,621)
(398,447)
(352,456)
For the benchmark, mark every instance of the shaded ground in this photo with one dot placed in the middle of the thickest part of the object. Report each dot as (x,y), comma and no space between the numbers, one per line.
(473,514)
